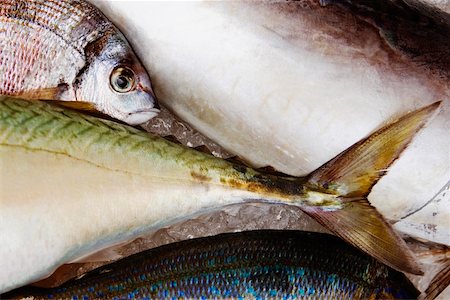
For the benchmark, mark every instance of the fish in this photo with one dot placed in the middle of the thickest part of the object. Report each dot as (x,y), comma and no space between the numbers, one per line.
(69,52)
(73,185)
(289,84)
(442,5)
(250,264)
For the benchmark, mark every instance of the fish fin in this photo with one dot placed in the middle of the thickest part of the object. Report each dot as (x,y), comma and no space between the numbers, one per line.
(108,254)
(41,94)
(438,284)
(77,105)
(361,225)
(53,94)
(355,171)
(350,177)
(62,274)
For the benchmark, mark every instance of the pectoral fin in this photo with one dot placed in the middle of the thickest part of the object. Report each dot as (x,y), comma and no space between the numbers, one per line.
(351,175)
(53,94)
(41,94)
(77,105)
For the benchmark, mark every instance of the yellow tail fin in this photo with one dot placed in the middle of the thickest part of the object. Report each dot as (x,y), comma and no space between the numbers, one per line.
(438,284)
(351,175)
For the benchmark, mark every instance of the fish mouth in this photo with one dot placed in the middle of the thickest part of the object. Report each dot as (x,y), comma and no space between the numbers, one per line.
(141,116)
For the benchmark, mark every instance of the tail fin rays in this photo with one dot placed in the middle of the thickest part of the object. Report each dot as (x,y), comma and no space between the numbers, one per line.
(362,226)
(355,171)
(351,176)
(438,284)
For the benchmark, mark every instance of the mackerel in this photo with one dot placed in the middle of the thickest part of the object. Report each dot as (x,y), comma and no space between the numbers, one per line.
(72,185)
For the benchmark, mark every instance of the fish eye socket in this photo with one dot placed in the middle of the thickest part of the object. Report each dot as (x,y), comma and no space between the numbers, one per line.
(122,80)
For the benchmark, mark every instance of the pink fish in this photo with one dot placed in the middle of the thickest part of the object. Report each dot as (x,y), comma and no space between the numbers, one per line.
(69,51)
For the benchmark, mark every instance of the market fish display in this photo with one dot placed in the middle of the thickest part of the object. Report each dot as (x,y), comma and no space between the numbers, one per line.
(290,84)
(253,264)
(66,50)
(72,185)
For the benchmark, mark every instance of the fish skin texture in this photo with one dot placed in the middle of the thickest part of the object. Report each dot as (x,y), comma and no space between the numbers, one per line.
(267,264)
(67,50)
(142,182)
(291,84)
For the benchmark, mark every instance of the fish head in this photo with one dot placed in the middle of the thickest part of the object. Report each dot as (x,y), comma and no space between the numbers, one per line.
(116,82)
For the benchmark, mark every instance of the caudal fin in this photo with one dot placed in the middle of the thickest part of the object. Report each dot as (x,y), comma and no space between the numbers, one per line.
(438,284)
(351,175)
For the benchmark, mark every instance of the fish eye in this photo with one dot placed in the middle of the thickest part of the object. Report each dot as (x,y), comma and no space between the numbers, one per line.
(122,80)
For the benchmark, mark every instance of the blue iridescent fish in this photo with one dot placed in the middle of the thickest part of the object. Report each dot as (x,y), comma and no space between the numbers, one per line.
(253,264)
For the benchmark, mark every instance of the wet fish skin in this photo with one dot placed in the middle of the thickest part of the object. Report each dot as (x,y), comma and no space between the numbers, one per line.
(419,31)
(54,162)
(68,50)
(329,72)
(267,264)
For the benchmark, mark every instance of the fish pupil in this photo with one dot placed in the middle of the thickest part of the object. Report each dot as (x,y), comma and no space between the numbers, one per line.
(122,82)
(122,79)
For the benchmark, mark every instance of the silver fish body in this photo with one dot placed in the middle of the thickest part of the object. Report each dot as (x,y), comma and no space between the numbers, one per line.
(68,50)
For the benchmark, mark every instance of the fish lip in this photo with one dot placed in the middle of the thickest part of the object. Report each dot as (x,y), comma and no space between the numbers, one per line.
(154,109)
(141,116)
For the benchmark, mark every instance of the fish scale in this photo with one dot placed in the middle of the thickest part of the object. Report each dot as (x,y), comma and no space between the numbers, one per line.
(53,44)
(255,264)
(59,17)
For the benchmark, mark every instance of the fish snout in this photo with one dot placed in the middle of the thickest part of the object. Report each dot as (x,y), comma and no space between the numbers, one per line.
(149,91)
(150,110)
(141,116)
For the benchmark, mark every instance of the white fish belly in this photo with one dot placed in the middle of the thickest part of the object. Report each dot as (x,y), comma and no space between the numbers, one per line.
(55,209)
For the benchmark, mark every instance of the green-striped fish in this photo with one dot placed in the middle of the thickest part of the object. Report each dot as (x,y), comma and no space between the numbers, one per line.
(252,264)
(72,185)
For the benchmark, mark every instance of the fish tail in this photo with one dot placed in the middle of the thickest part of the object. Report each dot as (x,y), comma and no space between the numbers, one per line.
(350,176)
(438,284)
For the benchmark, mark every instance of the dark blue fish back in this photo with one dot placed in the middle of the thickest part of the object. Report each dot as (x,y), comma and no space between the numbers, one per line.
(255,264)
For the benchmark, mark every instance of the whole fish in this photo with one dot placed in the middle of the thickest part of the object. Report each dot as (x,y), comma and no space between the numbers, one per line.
(72,185)
(290,84)
(252,264)
(67,50)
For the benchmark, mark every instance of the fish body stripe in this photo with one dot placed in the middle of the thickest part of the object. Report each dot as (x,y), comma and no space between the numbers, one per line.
(70,20)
